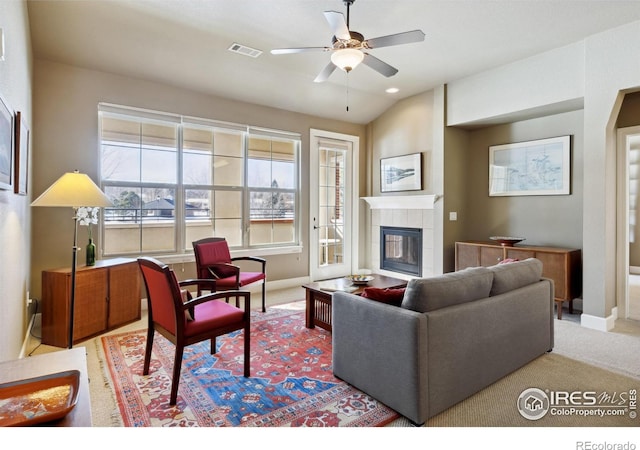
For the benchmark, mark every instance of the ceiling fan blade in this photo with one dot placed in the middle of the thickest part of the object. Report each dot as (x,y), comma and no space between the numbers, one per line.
(284,51)
(378,65)
(337,24)
(395,39)
(326,73)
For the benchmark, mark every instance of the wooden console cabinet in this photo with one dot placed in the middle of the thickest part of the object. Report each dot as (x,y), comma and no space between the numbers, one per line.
(562,265)
(107,296)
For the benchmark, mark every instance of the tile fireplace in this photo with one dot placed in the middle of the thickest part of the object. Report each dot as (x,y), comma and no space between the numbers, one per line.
(402,212)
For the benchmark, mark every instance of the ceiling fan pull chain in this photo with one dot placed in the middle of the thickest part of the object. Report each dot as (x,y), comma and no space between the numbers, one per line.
(347,91)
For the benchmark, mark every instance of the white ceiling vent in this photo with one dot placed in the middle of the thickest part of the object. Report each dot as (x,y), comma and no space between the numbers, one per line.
(244,50)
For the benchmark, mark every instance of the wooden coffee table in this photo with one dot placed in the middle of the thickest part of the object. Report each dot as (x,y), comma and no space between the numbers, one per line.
(318,296)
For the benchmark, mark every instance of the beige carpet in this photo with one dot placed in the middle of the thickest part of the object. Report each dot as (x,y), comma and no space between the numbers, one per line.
(496,406)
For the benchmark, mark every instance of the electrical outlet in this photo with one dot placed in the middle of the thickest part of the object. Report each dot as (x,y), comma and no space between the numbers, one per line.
(28,300)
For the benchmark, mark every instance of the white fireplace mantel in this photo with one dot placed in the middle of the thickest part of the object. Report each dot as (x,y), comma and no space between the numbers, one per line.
(402,201)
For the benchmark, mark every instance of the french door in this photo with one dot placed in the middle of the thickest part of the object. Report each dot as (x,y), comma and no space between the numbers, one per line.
(333,204)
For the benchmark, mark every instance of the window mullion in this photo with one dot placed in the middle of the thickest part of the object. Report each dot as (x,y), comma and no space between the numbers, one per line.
(180,230)
(246,209)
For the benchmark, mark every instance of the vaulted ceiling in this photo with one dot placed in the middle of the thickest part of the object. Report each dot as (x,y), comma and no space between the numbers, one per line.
(185,43)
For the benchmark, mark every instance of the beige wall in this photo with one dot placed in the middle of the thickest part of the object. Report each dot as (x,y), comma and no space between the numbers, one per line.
(543,220)
(406,127)
(65,104)
(611,68)
(15,213)
(456,174)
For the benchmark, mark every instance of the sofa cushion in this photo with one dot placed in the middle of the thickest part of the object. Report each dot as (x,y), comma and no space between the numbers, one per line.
(391,296)
(507,277)
(428,294)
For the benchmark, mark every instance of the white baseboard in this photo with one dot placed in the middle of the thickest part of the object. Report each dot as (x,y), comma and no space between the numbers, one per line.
(600,323)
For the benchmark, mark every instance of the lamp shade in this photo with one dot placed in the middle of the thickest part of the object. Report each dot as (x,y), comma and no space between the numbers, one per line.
(347,58)
(73,189)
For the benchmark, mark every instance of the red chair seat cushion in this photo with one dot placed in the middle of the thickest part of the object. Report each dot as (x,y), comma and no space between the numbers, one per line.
(245,279)
(213,314)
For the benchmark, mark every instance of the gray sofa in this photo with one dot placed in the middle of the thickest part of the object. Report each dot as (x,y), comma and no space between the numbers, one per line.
(452,336)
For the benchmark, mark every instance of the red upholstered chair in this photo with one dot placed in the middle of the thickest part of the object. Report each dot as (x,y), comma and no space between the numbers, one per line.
(213,260)
(185,321)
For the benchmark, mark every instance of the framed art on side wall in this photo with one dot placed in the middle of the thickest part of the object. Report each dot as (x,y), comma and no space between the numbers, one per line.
(540,167)
(21,171)
(401,173)
(6,145)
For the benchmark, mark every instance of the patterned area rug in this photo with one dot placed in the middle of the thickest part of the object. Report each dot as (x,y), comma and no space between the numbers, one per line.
(291,382)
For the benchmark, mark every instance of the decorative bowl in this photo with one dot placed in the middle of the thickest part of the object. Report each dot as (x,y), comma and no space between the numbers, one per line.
(359,279)
(507,241)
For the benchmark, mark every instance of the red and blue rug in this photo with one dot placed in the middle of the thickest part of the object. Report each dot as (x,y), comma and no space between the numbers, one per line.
(291,383)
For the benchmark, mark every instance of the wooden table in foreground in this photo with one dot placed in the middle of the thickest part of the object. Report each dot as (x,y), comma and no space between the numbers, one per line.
(48,363)
(318,296)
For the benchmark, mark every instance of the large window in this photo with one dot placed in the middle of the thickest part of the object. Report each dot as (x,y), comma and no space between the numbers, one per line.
(174,180)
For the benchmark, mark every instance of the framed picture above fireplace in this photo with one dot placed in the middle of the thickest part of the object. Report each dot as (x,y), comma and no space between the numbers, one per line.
(401,173)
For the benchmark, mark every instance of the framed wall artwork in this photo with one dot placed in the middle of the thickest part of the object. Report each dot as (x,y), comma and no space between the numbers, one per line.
(21,171)
(401,173)
(6,145)
(540,167)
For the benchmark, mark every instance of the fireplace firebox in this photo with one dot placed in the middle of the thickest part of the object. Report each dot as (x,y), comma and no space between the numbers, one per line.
(401,250)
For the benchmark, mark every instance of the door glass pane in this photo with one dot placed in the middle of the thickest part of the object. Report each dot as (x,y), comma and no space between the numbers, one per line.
(331,202)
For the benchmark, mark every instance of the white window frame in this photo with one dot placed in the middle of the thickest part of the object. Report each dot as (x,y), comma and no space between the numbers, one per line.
(181,253)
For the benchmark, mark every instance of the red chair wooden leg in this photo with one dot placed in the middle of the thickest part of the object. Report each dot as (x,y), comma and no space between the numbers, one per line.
(247,351)
(175,380)
(147,353)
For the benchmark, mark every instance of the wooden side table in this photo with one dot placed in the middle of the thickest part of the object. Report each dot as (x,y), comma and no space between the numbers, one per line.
(54,362)
(318,296)
(562,265)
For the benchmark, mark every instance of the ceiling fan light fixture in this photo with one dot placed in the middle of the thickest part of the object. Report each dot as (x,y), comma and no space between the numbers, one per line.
(347,58)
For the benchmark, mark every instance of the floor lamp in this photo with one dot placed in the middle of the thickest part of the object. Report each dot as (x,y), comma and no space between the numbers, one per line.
(73,189)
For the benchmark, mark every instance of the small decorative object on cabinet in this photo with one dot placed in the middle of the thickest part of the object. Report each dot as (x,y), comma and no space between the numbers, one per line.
(91,253)
(88,216)
(562,265)
(107,296)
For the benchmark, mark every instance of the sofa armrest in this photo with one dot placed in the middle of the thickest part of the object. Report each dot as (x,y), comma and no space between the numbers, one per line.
(381,350)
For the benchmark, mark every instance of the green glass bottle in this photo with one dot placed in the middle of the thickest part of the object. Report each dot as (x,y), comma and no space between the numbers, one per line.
(91,253)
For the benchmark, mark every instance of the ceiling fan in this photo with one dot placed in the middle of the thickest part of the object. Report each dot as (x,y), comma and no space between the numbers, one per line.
(349,48)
